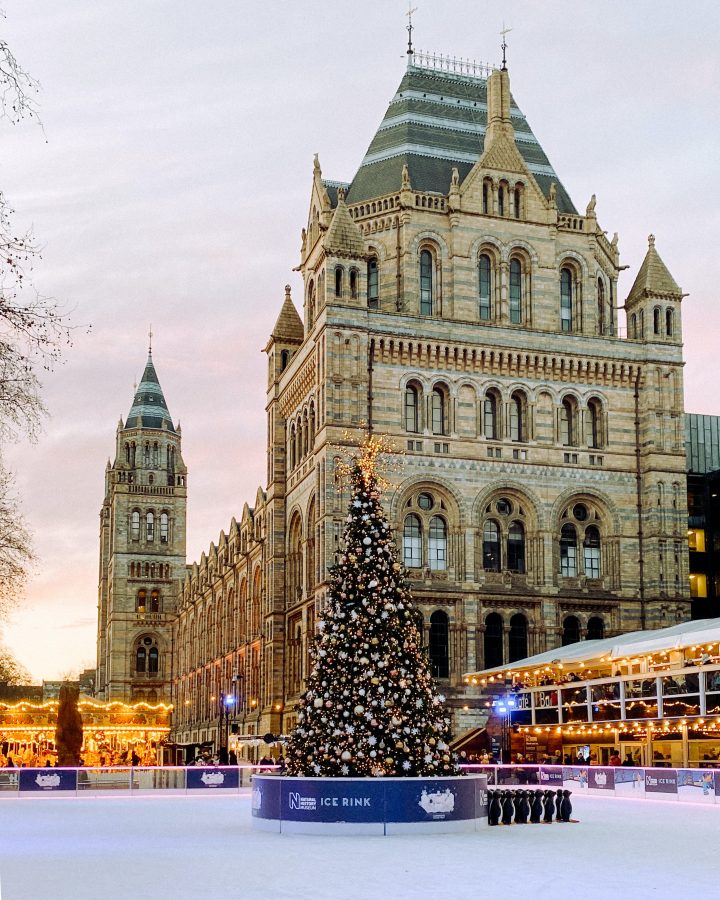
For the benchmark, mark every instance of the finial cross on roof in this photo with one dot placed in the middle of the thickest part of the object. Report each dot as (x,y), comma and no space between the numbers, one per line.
(411,9)
(505,30)
(150,337)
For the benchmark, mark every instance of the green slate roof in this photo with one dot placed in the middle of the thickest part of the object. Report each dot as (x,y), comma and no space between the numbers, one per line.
(149,409)
(436,121)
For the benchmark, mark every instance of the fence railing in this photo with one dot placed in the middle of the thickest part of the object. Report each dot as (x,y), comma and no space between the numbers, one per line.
(123,780)
(694,785)
(625,782)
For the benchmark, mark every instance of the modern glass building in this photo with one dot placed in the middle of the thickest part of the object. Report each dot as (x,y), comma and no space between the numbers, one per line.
(702,442)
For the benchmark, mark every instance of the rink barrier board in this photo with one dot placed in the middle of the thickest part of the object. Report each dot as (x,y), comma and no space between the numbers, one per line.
(125,780)
(380,806)
(686,784)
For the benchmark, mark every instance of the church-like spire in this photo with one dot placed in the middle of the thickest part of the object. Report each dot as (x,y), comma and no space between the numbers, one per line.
(149,409)
(288,327)
(653,278)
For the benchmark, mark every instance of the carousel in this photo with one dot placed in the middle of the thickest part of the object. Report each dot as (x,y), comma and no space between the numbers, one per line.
(114,733)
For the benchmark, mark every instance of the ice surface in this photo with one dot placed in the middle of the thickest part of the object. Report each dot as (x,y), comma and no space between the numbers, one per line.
(203,847)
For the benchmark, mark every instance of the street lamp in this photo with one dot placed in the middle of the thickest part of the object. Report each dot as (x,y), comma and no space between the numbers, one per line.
(227,708)
(503,707)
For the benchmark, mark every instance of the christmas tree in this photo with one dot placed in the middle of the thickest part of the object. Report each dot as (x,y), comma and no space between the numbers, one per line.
(370,708)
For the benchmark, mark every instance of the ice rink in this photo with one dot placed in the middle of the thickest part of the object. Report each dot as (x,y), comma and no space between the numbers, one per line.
(204,847)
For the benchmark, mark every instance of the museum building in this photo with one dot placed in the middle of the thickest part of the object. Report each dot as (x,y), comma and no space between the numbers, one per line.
(456,301)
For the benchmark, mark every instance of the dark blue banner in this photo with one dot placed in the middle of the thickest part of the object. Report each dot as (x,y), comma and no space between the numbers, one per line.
(661,781)
(209,777)
(551,776)
(266,798)
(429,800)
(48,779)
(369,800)
(332,800)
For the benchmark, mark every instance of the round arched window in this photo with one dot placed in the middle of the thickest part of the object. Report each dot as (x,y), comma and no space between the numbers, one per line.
(425,501)
(580,511)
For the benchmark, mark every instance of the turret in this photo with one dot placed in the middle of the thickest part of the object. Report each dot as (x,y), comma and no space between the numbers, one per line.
(653,304)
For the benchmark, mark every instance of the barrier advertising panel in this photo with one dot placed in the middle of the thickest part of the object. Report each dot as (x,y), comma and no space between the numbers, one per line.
(661,783)
(629,782)
(48,779)
(695,785)
(601,778)
(551,777)
(212,778)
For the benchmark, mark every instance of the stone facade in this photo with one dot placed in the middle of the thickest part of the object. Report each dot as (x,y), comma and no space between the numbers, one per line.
(455,301)
(142,551)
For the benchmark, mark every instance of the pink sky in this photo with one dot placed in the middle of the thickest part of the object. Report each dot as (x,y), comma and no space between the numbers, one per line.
(174,183)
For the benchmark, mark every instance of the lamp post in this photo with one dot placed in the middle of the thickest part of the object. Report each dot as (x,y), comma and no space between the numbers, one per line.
(503,707)
(227,706)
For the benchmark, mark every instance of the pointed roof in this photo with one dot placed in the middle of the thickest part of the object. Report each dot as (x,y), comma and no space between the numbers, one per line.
(288,327)
(149,409)
(436,122)
(343,237)
(653,277)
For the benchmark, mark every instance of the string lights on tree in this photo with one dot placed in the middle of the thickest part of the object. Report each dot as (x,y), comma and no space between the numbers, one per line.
(370,708)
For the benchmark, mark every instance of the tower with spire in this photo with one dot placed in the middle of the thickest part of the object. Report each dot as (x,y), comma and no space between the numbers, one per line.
(142,549)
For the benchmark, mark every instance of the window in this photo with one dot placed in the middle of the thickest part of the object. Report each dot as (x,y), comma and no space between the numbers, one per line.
(633,326)
(311,304)
(338,281)
(501,200)
(591,552)
(595,629)
(491,546)
(353,283)
(593,424)
(641,325)
(490,416)
(669,323)
(372,284)
(485,287)
(439,645)
(518,638)
(412,543)
(566,299)
(437,544)
(568,551)
(140,659)
(486,189)
(515,292)
(426,283)
(150,526)
(153,660)
(439,411)
(164,528)
(517,198)
(425,501)
(568,425)
(601,306)
(571,630)
(154,600)
(656,320)
(140,601)
(516,548)
(493,641)
(517,417)
(135,525)
(146,455)
(412,419)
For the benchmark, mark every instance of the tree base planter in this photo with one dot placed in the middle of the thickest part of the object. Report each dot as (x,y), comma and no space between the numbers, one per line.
(369,805)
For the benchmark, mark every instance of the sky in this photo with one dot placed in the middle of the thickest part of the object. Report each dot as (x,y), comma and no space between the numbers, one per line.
(171,179)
